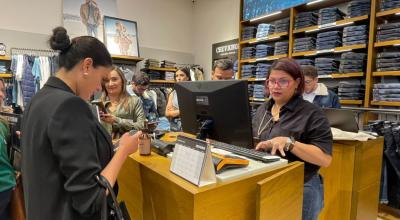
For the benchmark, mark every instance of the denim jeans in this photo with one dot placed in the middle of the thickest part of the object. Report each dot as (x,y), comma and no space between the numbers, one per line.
(304,62)
(388,26)
(313,198)
(5,198)
(389,55)
(353,56)
(91,30)
(387,86)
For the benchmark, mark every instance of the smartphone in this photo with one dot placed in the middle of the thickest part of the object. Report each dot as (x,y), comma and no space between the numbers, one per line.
(101,105)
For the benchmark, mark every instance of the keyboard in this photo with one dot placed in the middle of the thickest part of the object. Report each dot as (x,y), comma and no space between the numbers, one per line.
(249,153)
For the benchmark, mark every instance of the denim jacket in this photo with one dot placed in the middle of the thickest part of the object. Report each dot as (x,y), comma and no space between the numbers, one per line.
(325,98)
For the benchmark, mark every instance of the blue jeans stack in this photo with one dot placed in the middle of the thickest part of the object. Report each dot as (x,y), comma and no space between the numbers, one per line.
(154,75)
(282,25)
(248,52)
(305,62)
(304,44)
(262,70)
(248,71)
(264,30)
(351,62)
(388,31)
(351,90)
(250,89)
(387,5)
(386,92)
(329,40)
(329,15)
(355,35)
(388,61)
(281,47)
(264,50)
(305,19)
(249,32)
(326,66)
(258,92)
(358,8)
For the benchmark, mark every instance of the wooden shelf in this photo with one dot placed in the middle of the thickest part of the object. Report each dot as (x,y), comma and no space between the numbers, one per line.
(387,43)
(333,50)
(386,73)
(269,58)
(351,102)
(252,60)
(271,37)
(5,58)
(127,58)
(161,69)
(258,100)
(6,75)
(388,13)
(341,23)
(305,53)
(256,79)
(346,75)
(383,103)
(162,81)
(351,47)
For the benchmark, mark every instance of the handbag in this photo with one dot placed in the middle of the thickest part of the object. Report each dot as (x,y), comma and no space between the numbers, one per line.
(17,200)
(112,210)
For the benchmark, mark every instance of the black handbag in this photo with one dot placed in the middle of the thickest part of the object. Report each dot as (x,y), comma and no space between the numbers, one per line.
(112,210)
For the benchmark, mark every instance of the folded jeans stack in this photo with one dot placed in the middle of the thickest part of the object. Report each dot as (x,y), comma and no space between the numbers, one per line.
(250,89)
(169,76)
(305,19)
(264,50)
(281,47)
(329,15)
(151,63)
(355,35)
(358,8)
(282,25)
(262,70)
(249,32)
(304,44)
(388,61)
(248,52)
(248,71)
(387,5)
(168,64)
(388,31)
(264,30)
(351,62)
(389,92)
(154,75)
(305,62)
(258,91)
(329,40)
(326,66)
(351,90)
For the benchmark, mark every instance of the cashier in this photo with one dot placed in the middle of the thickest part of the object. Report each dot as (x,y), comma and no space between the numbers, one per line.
(296,129)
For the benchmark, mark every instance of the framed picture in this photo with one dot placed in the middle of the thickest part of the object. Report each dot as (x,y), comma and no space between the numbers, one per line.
(121,36)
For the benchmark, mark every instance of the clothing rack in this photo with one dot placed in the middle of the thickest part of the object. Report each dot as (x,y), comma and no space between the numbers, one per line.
(33,52)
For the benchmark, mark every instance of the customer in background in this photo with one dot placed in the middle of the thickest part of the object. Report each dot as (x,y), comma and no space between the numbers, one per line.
(124,112)
(7,174)
(139,88)
(222,70)
(172,110)
(64,147)
(317,93)
(295,129)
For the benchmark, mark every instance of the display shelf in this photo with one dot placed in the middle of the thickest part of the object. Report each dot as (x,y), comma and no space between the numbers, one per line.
(6,75)
(269,58)
(349,48)
(127,58)
(162,81)
(351,102)
(5,58)
(383,103)
(387,43)
(251,60)
(256,79)
(271,37)
(346,75)
(333,50)
(305,53)
(386,73)
(252,99)
(160,69)
(337,24)
(393,12)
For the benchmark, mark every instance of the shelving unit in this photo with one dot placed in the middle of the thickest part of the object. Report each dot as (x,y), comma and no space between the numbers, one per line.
(272,37)
(126,59)
(333,25)
(351,102)
(386,73)
(387,43)
(382,103)
(5,58)
(347,75)
(6,75)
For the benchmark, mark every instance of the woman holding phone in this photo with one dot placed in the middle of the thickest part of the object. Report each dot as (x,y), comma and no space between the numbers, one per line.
(124,112)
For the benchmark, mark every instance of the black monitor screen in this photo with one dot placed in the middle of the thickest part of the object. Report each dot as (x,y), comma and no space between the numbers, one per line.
(224,103)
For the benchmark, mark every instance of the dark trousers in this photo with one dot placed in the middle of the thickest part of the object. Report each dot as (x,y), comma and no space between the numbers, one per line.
(5,198)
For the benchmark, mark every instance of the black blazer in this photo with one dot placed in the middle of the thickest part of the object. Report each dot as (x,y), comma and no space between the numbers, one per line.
(63,147)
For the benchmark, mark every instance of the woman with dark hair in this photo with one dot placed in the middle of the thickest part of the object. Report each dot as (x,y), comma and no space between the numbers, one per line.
(172,110)
(124,112)
(64,147)
(296,129)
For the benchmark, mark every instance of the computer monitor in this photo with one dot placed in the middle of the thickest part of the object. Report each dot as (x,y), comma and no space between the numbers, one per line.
(217,110)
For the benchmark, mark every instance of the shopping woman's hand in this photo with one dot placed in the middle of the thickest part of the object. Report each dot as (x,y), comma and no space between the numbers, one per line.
(275,144)
(129,143)
(107,118)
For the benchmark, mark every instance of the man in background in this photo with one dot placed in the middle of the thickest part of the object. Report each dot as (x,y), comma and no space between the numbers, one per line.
(318,93)
(222,70)
(91,18)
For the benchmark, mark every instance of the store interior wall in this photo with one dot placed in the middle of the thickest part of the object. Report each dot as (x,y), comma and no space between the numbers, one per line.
(178,30)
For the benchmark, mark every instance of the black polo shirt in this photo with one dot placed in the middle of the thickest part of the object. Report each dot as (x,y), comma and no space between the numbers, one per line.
(300,119)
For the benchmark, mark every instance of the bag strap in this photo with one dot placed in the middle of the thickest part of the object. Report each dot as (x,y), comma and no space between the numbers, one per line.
(105,184)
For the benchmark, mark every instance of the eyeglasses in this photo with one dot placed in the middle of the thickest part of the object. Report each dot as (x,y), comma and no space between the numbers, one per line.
(283,83)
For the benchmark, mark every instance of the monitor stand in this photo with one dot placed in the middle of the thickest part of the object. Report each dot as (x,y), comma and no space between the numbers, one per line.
(205,126)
